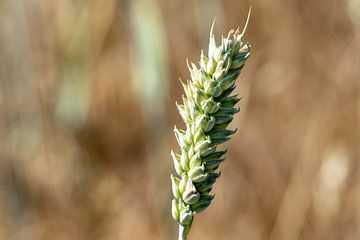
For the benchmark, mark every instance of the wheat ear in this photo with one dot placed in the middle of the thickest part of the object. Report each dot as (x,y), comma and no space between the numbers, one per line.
(207,109)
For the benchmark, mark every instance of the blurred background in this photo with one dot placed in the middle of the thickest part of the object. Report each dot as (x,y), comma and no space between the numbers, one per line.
(87,109)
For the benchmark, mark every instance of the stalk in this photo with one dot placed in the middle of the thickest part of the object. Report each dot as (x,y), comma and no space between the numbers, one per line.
(207,109)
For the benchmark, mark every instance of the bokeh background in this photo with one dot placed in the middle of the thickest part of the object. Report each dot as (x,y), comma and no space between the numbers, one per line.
(87,93)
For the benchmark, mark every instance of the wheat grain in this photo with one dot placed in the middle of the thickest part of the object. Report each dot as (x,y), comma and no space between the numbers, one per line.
(207,109)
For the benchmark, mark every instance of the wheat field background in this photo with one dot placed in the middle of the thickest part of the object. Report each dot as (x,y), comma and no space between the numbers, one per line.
(87,109)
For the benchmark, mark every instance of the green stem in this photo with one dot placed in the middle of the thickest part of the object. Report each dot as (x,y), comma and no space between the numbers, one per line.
(182,232)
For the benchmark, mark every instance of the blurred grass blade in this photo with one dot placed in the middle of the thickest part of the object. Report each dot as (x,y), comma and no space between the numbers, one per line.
(149,76)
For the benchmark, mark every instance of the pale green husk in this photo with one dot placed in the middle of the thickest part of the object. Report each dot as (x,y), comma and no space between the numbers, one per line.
(207,109)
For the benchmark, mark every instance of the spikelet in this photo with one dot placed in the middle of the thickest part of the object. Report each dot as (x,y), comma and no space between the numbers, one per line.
(207,109)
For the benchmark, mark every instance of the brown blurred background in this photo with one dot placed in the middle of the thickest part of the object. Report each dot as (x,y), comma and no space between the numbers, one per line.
(87,93)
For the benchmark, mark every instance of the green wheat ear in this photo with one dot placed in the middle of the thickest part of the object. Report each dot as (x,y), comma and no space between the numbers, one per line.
(207,110)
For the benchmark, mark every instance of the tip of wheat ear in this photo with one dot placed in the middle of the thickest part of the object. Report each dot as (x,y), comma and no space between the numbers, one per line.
(207,109)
